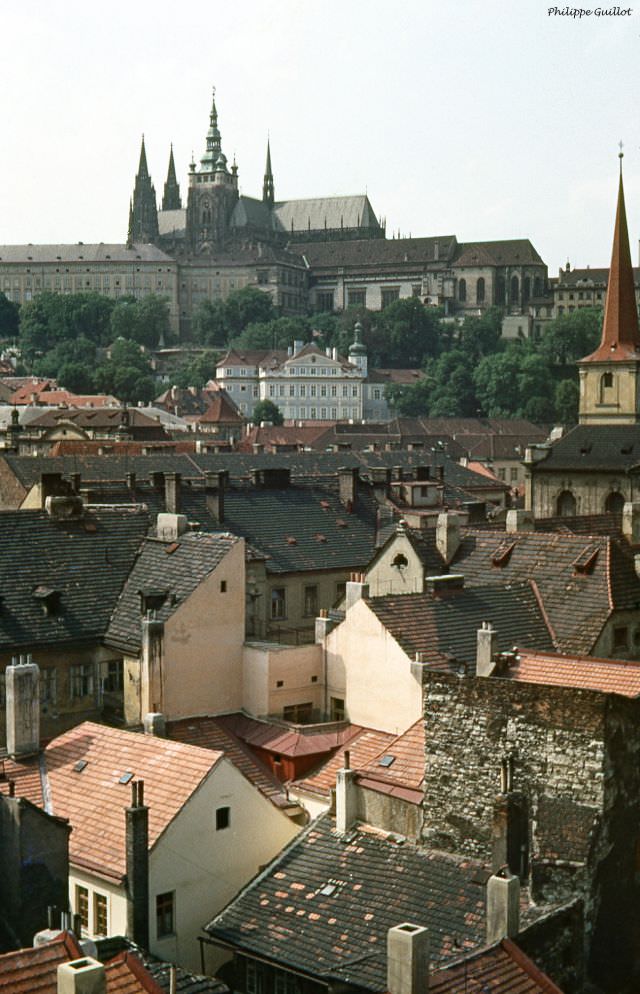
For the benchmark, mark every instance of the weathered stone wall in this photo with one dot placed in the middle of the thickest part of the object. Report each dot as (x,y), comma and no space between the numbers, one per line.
(555,943)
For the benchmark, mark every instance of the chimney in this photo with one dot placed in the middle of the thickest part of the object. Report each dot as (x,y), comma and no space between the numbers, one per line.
(519,520)
(487,650)
(448,535)
(64,508)
(214,488)
(172,493)
(356,588)
(503,906)
(22,680)
(298,345)
(631,521)
(346,797)
(137,857)
(169,527)
(323,625)
(81,976)
(407,959)
(448,585)
(155,724)
(380,478)
(348,486)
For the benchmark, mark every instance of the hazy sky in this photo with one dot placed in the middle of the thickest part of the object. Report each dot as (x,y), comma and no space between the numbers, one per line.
(480,119)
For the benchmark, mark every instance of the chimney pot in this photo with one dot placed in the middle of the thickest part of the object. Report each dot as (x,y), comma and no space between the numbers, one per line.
(448,535)
(487,650)
(346,799)
(81,976)
(519,520)
(503,906)
(23,708)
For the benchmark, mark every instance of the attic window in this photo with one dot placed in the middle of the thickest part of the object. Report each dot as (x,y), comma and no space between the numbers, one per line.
(79,766)
(126,778)
(328,890)
(585,449)
(501,555)
(387,761)
(48,597)
(586,560)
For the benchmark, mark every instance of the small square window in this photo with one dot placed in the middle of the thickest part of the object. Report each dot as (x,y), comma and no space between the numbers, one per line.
(222,818)
(279,683)
(314,679)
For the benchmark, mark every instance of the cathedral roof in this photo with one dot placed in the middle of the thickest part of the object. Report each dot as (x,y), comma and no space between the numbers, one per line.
(172,222)
(511,252)
(620,334)
(317,213)
(378,251)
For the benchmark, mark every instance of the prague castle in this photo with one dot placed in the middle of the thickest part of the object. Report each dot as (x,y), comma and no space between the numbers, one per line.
(324,253)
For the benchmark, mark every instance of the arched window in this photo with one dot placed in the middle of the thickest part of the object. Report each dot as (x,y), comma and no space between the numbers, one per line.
(614,503)
(537,287)
(566,505)
(462,290)
(526,288)
(606,387)
(500,290)
(400,561)
(515,289)
(480,291)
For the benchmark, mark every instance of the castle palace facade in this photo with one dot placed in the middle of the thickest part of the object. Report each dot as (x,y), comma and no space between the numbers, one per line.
(317,254)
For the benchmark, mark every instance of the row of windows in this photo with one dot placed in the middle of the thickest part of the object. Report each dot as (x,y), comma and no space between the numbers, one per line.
(582,295)
(81,681)
(310,601)
(324,414)
(311,390)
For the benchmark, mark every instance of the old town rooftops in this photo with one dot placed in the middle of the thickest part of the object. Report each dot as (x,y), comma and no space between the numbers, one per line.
(325,904)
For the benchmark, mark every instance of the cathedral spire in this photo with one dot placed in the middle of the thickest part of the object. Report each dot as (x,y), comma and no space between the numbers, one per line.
(214,149)
(143,211)
(171,199)
(267,186)
(620,334)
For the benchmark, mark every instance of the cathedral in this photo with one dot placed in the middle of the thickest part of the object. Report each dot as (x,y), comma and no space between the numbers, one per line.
(313,254)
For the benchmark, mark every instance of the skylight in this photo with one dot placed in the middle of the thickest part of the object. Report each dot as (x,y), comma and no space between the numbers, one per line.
(386,760)
(125,778)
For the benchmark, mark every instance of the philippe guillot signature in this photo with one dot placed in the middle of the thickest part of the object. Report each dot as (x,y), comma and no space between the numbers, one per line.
(580,12)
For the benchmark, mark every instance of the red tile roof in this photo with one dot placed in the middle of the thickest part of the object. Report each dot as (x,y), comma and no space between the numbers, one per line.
(404,776)
(34,970)
(502,969)
(93,799)
(287,741)
(610,676)
(367,744)
(25,774)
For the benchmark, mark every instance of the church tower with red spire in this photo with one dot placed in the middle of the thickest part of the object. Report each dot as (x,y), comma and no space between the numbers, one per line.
(610,376)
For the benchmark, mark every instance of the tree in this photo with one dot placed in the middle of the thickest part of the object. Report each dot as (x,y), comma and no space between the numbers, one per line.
(266,410)
(277,334)
(573,336)
(567,398)
(197,372)
(411,332)
(481,336)
(209,323)
(9,317)
(145,321)
(127,373)
(247,306)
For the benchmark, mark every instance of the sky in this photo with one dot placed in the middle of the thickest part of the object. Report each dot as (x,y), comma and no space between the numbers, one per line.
(487,120)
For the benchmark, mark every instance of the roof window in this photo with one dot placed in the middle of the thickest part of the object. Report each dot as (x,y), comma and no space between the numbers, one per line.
(387,761)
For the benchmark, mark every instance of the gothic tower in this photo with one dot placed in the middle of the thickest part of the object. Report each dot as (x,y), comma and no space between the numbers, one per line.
(213,192)
(610,376)
(143,211)
(267,186)
(171,200)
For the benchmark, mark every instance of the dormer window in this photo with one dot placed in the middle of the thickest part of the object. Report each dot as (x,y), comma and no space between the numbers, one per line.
(49,599)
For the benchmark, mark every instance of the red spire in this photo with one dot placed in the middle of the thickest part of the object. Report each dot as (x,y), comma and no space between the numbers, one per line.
(620,334)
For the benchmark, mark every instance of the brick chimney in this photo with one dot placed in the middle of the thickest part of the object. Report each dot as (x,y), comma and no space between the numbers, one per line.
(631,522)
(503,906)
(137,860)
(407,959)
(346,796)
(348,486)
(356,588)
(215,485)
(487,649)
(81,976)
(448,535)
(22,680)
(519,520)
(172,493)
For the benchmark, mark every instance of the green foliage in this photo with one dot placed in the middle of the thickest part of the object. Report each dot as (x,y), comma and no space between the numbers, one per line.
(9,317)
(126,373)
(247,306)
(52,318)
(279,333)
(209,323)
(196,372)
(145,321)
(266,410)
(572,336)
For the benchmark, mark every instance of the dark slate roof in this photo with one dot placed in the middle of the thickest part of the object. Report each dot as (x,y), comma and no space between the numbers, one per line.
(577,278)
(594,447)
(83,563)
(317,213)
(512,252)
(378,252)
(579,578)
(303,527)
(377,881)
(444,630)
(176,568)
(252,212)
